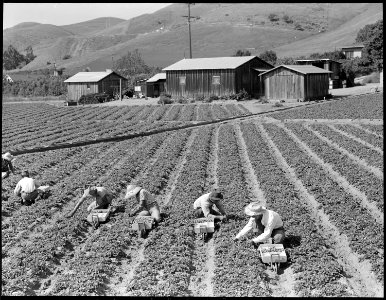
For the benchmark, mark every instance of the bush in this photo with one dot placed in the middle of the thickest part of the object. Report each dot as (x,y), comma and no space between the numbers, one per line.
(264,100)
(273,17)
(199,97)
(94,98)
(165,99)
(299,27)
(213,97)
(277,104)
(182,100)
(287,19)
(67,56)
(242,95)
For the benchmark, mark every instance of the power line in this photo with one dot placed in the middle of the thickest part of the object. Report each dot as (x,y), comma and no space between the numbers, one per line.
(190,36)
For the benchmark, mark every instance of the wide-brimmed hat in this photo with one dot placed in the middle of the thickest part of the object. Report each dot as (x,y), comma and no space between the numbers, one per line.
(8,156)
(254,208)
(132,190)
(215,196)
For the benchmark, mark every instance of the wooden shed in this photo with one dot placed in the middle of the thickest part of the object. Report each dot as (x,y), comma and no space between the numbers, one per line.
(287,82)
(329,65)
(84,83)
(156,85)
(215,76)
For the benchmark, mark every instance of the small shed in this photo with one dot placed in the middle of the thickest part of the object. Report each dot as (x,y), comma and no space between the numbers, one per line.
(287,82)
(156,85)
(334,66)
(353,51)
(84,83)
(216,76)
(140,88)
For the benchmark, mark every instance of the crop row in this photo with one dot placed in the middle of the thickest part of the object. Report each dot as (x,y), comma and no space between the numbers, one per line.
(316,269)
(355,107)
(365,235)
(67,233)
(369,138)
(378,129)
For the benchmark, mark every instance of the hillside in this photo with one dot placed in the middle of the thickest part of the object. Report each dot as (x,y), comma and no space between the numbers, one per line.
(219,30)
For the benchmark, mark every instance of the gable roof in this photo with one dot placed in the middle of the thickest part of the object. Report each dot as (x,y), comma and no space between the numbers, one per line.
(231,62)
(157,77)
(319,59)
(353,46)
(90,76)
(304,69)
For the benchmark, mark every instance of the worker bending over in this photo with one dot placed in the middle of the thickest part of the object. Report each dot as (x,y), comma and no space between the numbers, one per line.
(27,189)
(203,206)
(6,165)
(102,196)
(268,223)
(146,203)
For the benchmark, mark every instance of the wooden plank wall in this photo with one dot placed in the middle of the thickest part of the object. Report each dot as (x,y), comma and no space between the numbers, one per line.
(316,86)
(283,84)
(76,89)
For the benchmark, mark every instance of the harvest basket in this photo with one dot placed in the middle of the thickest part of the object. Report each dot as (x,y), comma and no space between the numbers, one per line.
(44,188)
(273,254)
(142,222)
(98,216)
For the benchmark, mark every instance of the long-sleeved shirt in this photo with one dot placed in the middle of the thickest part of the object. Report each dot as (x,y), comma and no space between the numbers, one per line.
(271,220)
(26,185)
(204,203)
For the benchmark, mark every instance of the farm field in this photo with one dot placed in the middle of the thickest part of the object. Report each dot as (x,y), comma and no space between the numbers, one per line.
(24,123)
(320,171)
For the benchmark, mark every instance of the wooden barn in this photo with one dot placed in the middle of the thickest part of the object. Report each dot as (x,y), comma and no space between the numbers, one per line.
(84,83)
(329,65)
(215,76)
(288,82)
(156,85)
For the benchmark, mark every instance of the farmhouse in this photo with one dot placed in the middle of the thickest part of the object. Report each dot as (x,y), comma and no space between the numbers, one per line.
(295,82)
(215,76)
(329,65)
(84,83)
(156,85)
(353,51)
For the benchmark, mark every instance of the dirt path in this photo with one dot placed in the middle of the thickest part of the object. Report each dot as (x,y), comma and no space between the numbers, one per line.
(366,130)
(359,275)
(340,180)
(380,151)
(203,259)
(376,171)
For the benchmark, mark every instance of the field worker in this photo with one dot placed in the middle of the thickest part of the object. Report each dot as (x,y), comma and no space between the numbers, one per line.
(27,189)
(147,205)
(203,206)
(6,165)
(268,223)
(102,196)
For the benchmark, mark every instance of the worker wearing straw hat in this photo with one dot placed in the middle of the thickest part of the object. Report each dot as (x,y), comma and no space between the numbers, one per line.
(6,165)
(146,203)
(268,223)
(203,206)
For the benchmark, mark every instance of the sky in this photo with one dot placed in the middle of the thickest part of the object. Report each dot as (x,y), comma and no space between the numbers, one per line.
(71,13)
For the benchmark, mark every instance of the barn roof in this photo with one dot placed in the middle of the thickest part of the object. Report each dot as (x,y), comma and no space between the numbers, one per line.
(319,59)
(304,69)
(90,76)
(157,77)
(231,62)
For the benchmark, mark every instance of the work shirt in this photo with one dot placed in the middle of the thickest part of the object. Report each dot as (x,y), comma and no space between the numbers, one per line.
(206,205)
(6,165)
(101,193)
(26,185)
(146,198)
(271,220)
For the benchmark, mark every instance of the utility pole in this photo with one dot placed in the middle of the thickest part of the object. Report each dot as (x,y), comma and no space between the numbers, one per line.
(190,35)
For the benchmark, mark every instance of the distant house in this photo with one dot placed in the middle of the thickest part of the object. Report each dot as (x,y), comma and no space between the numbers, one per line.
(84,83)
(287,82)
(353,51)
(215,76)
(156,85)
(329,65)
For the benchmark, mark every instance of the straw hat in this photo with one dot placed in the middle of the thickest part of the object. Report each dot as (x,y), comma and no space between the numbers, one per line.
(8,156)
(254,208)
(132,190)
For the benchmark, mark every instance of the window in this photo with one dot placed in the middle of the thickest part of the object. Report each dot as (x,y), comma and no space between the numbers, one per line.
(215,79)
(182,80)
(88,86)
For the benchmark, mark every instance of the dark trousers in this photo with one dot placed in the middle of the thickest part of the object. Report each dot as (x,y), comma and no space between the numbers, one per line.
(277,235)
(29,198)
(199,214)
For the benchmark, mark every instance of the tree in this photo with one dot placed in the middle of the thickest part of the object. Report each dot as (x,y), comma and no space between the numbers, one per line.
(29,55)
(12,58)
(242,53)
(372,38)
(286,61)
(334,55)
(269,56)
(131,64)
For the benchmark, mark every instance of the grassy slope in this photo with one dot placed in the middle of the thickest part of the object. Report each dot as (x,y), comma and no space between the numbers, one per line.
(221,30)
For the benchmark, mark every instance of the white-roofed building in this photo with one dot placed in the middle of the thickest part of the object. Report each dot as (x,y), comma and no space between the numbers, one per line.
(84,83)
(215,76)
(155,85)
(296,82)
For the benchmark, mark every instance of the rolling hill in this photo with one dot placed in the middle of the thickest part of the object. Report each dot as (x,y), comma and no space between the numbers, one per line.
(219,30)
